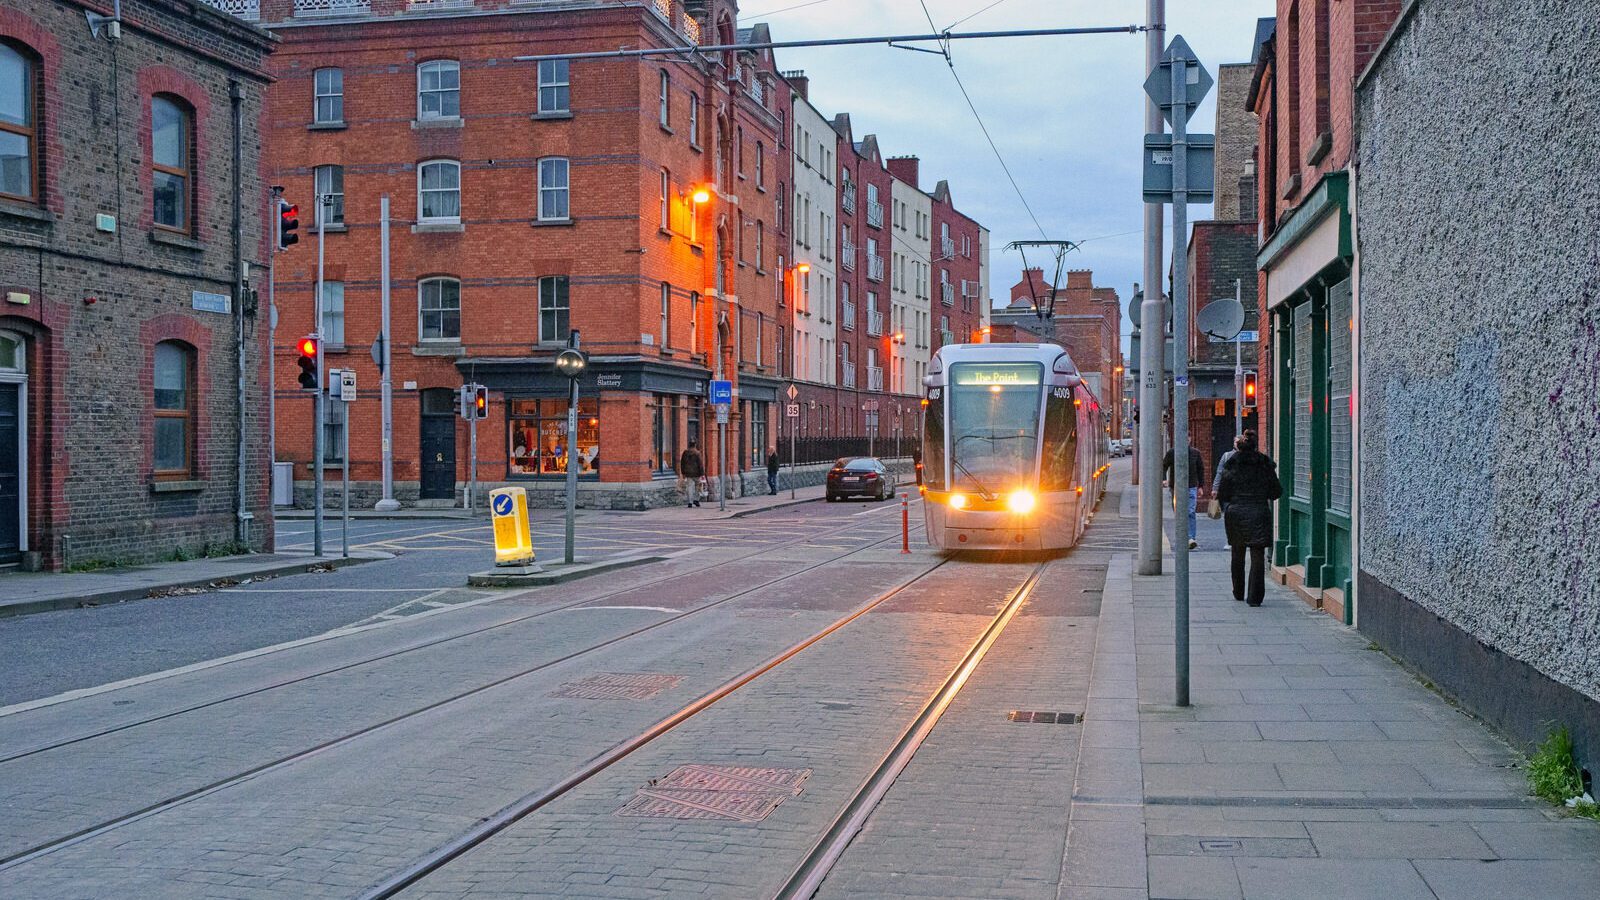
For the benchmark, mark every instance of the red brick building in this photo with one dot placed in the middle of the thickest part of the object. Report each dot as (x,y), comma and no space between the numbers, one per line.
(1302,91)
(636,201)
(960,288)
(1087,321)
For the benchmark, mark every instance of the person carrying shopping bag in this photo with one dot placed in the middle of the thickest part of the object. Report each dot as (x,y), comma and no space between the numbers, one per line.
(691,469)
(1246,490)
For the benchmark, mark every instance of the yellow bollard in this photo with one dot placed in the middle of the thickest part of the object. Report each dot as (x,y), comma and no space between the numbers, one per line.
(513,542)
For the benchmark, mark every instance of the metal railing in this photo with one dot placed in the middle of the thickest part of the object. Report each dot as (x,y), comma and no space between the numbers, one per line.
(949,247)
(691,30)
(875,267)
(664,7)
(848,375)
(331,7)
(874,378)
(874,214)
(847,316)
(812,450)
(847,199)
(847,256)
(947,337)
(947,293)
(248,10)
(875,324)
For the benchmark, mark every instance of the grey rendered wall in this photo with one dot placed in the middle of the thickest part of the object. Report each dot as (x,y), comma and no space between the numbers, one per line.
(1479,252)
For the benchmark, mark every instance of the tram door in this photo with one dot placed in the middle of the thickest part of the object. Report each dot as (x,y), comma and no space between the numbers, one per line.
(438,445)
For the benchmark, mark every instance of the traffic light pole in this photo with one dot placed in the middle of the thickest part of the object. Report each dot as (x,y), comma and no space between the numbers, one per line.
(572,455)
(385,383)
(321,399)
(1238,372)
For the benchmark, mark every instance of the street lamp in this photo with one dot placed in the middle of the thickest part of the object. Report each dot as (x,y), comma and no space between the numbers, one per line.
(572,363)
(700,195)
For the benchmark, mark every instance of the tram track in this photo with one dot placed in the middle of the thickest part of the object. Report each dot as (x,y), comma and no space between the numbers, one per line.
(438,641)
(837,837)
(23,856)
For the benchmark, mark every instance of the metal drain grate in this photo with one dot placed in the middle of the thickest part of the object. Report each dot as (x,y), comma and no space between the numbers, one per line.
(734,793)
(617,686)
(1043,718)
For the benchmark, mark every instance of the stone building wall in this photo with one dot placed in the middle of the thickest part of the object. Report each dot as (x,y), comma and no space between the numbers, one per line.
(1479,286)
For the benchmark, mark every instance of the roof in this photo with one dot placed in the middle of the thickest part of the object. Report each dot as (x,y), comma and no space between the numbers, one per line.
(1260,56)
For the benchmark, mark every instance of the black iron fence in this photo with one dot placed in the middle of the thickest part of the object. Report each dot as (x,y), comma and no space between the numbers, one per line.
(818,450)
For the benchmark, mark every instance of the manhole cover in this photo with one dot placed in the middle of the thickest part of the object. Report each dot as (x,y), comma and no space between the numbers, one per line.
(734,793)
(617,686)
(1221,846)
(1043,718)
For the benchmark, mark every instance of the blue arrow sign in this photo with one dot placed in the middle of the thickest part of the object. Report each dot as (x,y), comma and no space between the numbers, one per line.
(502,505)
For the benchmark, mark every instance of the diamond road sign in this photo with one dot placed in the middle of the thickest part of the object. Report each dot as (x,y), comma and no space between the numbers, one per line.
(1159,85)
(792,392)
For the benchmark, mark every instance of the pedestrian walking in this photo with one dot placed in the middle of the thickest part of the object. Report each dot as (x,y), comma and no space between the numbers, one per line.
(1248,485)
(1214,509)
(691,469)
(772,471)
(1197,475)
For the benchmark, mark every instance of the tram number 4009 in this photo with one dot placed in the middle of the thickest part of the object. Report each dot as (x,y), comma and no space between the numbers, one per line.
(1061,393)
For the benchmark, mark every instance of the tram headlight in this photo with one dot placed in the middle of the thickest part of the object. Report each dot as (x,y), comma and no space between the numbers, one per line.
(1021,502)
(958,501)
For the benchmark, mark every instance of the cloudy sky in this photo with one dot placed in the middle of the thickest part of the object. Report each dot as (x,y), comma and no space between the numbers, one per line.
(1066,112)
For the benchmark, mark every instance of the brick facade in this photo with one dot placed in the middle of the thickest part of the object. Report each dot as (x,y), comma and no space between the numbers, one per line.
(1088,322)
(90,299)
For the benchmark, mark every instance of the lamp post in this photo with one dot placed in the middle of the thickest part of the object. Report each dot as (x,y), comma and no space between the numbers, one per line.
(571,362)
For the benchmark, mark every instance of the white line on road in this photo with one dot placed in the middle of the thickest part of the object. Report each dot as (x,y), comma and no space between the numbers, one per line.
(664,609)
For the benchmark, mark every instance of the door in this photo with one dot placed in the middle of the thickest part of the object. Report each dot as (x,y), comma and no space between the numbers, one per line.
(438,446)
(10,473)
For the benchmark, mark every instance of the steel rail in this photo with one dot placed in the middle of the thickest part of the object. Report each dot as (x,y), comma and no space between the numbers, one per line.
(828,849)
(529,803)
(24,856)
(426,644)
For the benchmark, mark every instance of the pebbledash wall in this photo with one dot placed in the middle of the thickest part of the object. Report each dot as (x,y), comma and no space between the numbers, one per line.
(1479,286)
(90,286)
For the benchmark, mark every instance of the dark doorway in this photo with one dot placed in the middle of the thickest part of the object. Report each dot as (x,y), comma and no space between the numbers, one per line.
(10,473)
(438,445)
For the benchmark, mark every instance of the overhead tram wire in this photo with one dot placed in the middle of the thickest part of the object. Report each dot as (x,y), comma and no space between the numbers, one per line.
(762,15)
(974,15)
(940,37)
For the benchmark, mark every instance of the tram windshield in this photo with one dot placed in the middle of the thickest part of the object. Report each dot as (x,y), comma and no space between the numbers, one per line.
(994,425)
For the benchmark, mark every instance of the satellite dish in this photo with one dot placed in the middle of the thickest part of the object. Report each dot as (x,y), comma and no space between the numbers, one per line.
(1221,319)
(1136,309)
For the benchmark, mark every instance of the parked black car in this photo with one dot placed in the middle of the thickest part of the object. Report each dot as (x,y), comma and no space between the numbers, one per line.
(859,476)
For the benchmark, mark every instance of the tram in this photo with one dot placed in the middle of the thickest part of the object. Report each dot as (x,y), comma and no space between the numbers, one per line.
(1014,448)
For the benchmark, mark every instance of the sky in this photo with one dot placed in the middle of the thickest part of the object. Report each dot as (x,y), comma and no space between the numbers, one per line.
(1065,112)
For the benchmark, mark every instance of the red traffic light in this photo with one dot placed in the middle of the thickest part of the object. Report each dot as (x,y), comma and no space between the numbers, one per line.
(308,347)
(1249,389)
(310,378)
(288,223)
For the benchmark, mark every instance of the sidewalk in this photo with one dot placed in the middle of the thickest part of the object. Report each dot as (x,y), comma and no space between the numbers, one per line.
(23,593)
(1308,765)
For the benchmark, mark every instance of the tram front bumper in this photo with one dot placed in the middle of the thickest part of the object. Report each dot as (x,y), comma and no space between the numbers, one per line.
(979,530)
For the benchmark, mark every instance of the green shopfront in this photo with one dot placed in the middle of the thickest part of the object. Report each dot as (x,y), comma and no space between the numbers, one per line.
(1308,266)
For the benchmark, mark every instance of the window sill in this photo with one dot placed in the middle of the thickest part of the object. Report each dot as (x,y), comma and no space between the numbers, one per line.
(1320,145)
(552,223)
(22,209)
(185,486)
(666,128)
(760,188)
(696,147)
(1291,187)
(438,228)
(442,348)
(552,116)
(327,126)
(330,228)
(173,239)
(329,348)
(438,122)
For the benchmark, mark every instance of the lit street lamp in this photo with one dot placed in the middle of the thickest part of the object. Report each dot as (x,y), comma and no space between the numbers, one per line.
(571,362)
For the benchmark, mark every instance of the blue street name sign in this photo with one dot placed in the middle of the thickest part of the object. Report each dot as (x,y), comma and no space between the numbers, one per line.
(722,392)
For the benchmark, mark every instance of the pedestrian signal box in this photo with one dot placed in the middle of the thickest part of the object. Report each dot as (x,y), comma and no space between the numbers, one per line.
(1250,389)
(513,543)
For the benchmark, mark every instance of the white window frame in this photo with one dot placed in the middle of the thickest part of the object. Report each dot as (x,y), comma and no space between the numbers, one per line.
(335,211)
(422,217)
(564,189)
(694,119)
(318,95)
(559,83)
(441,66)
(665,100)
(421,311)
(666,313)
(666,199)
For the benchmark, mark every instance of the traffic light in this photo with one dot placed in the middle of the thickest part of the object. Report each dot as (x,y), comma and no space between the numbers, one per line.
(480,402)
(288,224)
(1250,389)
(310,378)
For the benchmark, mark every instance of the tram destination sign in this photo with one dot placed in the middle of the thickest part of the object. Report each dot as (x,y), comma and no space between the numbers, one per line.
(998,374)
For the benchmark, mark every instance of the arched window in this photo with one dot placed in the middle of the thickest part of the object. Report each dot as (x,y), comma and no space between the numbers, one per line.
(171,162)
(439,309)
(439,192)
(19,123)
(174,411)
(439,89)
(666,99)
(761,165)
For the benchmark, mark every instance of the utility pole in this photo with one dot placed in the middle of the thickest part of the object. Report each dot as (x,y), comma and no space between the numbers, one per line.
(388,503)
(272,332)
(1152,344)
(572,455)
(1180,369)
(1238,370)
(321,398)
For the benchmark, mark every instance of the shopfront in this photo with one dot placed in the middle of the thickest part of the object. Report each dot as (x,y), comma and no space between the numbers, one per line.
(536,431)
(1308,264)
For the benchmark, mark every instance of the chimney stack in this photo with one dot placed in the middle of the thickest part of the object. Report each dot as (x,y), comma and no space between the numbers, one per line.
(905,168)
(799,82)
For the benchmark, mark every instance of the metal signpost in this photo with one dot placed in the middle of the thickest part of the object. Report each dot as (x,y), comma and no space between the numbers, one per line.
(721,399)
(1151,377)
(571,362)
(791,412)
(1177,86)
(320,406)
(347,396)
(381,356)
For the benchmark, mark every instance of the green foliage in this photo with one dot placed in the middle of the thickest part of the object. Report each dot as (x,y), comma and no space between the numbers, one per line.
(1553,768)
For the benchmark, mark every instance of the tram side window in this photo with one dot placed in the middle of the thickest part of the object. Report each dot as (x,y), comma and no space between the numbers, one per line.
(1060,441)
(933,444)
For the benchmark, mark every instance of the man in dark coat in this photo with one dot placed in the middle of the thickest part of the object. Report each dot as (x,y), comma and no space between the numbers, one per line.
(772,471)
(690,469)
(1197,477)
(1249,485)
